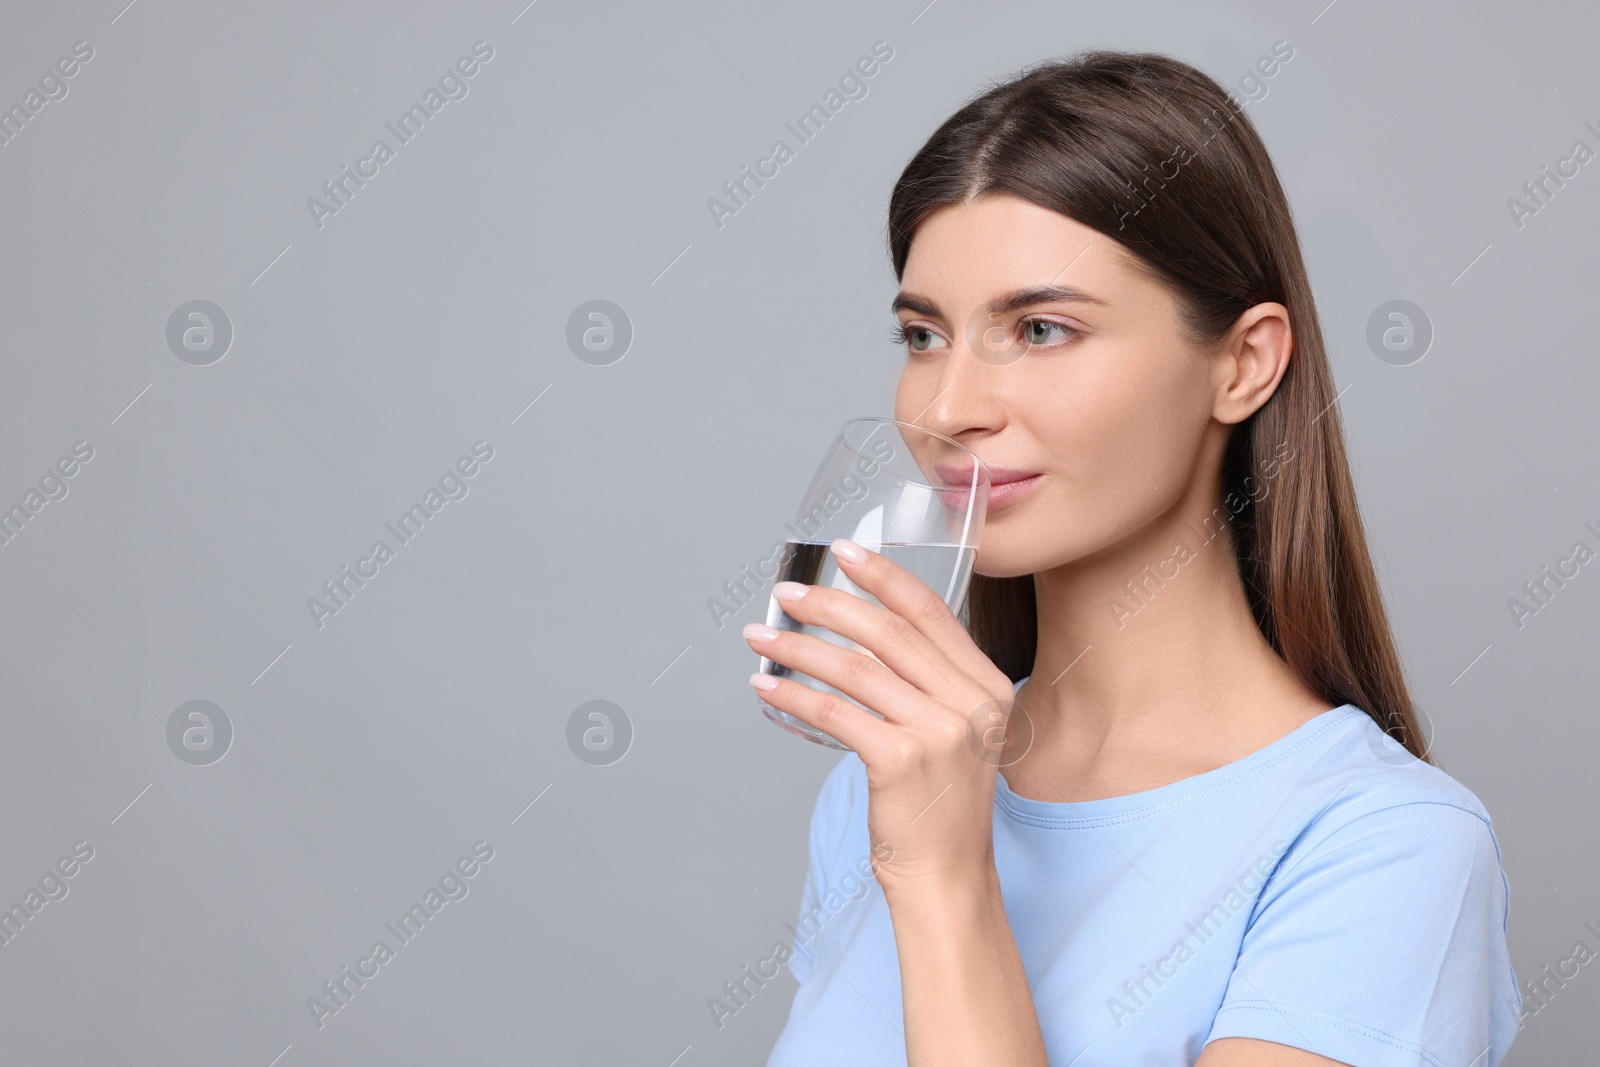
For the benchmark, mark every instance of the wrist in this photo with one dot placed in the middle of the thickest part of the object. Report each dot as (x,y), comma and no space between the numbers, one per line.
(950,892)
(953,924)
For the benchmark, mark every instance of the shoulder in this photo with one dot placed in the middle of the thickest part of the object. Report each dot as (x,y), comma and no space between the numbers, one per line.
(843,790)
(1389,878)
(841,803)
(1382,830)
(1364,775)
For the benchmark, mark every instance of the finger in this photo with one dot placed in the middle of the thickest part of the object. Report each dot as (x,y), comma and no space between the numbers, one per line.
(911,599)
(857,676)
(860,730)
(875,632)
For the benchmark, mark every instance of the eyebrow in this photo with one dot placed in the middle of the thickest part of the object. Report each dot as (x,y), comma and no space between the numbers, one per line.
(1021,298)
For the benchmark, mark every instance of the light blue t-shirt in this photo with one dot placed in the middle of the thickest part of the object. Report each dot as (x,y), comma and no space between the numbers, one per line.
(1327,891)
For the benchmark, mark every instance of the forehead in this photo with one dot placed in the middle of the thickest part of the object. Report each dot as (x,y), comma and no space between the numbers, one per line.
(1001,242)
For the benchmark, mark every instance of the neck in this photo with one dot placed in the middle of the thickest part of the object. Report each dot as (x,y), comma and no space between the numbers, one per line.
(1152,641)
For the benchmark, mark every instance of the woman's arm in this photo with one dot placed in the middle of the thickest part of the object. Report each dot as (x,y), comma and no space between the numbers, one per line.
(965,992)
(931,780)
(1249,1052)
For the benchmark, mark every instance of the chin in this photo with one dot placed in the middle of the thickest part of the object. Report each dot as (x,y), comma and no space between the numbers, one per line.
(996,562)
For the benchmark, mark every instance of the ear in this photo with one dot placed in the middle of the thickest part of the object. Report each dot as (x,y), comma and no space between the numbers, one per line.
(1251,362)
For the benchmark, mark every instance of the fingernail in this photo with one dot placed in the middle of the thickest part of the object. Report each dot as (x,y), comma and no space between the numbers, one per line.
(755,631)
(764,682)
(788,590)
(843,546)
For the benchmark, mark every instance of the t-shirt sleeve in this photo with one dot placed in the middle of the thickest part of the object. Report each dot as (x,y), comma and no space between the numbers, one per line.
(1382,944)
(826,827)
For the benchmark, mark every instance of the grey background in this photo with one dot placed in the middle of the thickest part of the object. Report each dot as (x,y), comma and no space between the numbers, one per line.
(369,354)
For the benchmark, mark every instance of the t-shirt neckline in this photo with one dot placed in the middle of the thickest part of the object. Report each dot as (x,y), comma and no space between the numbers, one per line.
(1088,813)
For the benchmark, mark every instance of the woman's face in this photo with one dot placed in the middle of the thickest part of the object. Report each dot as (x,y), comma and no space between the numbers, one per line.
(1033,341)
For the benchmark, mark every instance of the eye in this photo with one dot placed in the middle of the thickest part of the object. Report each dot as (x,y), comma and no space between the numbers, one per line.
(916,338)
(1038,332)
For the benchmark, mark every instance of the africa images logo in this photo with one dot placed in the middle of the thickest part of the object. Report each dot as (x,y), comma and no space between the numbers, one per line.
(453,485)
(453,885)
(341,189)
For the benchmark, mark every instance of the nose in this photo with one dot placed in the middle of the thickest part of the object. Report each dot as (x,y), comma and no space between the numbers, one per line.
(965,400)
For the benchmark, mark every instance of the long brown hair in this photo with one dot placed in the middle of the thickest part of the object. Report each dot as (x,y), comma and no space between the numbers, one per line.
(1156,155)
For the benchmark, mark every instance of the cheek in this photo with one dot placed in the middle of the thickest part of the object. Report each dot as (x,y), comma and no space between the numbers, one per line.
(1124,437)
(917,384)
(1150,421)
(902,397)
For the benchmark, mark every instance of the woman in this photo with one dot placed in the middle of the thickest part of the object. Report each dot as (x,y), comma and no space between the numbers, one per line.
(1210,836)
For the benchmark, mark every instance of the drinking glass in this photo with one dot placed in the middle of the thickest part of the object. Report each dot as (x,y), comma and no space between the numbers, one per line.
(913,495)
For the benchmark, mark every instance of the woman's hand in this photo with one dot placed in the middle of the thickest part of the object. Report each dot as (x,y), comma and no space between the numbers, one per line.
(931,764)
(931,761)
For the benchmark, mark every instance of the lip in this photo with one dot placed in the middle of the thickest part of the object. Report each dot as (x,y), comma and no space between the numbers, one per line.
(962,475)
(1007,493)
(1007,485)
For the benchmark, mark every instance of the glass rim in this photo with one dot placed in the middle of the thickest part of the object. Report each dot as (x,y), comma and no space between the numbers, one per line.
(845,440)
